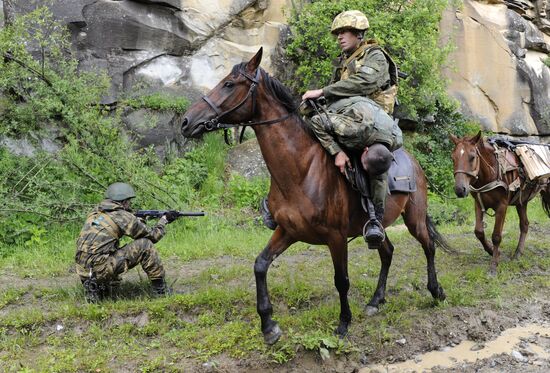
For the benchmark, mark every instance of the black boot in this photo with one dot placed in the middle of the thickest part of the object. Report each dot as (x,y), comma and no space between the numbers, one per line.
(373,231)
(266,215)
(160,288)
(94,292)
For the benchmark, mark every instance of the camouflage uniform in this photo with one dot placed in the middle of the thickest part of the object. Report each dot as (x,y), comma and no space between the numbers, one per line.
(355,120)
(98,249)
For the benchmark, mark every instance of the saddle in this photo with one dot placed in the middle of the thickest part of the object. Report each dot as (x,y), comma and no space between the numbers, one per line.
(401,177)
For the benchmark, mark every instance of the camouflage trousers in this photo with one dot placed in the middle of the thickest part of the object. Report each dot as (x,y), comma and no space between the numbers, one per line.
(108,268)
(355,123)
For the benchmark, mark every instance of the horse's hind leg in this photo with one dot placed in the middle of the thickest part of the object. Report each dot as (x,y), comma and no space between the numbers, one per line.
(417,225)
(385,251)
(278,243)
(339,253)
(523,228)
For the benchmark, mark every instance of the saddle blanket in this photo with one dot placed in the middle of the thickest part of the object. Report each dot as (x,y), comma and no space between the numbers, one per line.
(401,177)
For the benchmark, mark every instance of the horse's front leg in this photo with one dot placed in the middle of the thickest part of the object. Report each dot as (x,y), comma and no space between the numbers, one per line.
(339,252)
(385,251)
(479,229)
(500,215)
(278,243)
(523,228)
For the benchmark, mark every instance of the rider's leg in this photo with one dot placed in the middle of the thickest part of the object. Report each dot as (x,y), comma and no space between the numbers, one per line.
(377,162)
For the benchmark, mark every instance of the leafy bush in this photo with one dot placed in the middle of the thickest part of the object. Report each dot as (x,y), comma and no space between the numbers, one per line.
(408,30)
(432,147)
(43,93)
(159,101)
(247,193)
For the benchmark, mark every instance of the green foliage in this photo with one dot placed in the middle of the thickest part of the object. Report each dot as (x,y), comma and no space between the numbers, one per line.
(45,96)
(247,193)
(432,146)
(158,101)
(546,61)
(408,30)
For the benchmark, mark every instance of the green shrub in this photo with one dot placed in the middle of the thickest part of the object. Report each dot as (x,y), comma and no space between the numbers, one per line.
(247,193)
(43,92)
(432,147)
(158,101)
(407,29)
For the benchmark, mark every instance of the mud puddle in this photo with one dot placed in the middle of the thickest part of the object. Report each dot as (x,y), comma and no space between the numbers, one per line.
(525,337)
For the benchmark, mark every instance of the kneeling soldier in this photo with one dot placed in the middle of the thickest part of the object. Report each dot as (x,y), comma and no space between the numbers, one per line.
(99,259)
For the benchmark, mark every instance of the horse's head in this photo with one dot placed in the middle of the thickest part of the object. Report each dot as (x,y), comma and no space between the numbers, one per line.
(466,160)
(232,100)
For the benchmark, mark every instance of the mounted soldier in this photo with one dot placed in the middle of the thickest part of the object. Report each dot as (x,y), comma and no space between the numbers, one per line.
(356,123)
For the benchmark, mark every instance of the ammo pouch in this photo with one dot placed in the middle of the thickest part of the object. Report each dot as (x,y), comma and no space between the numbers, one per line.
(386,98)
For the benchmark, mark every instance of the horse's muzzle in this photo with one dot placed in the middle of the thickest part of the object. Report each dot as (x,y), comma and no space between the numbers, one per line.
(461,191)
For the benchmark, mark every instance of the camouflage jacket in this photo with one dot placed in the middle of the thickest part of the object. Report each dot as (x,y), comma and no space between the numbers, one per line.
(363,73)
(104,227)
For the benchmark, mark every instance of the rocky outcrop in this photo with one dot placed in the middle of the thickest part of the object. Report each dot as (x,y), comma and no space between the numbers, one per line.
(497,69)
(184,47)
(181,47)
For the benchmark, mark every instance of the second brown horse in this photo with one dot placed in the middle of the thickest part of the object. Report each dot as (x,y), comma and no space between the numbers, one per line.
(477,170)
(309,198)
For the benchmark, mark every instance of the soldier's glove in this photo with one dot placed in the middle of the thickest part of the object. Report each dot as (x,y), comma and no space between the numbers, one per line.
(171,216)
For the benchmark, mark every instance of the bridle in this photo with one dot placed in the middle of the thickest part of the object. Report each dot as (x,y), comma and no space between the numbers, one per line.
(216,122)
(474,173)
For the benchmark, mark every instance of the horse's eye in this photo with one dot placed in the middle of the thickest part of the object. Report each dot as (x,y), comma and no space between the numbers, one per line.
(228,84)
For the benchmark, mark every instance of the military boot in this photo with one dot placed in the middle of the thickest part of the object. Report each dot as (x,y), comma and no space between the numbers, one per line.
(266,215)
(160,288)
(94,292)
(373,231)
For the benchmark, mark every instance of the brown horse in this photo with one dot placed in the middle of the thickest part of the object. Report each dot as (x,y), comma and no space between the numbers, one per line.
(309,198)
(494,186)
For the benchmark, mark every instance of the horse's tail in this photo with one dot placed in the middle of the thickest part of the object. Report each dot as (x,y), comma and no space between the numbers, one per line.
(437,238)
(545,198)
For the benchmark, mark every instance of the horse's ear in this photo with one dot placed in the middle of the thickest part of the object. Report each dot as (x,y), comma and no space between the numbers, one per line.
(477,137)
(253,64)
(453,138)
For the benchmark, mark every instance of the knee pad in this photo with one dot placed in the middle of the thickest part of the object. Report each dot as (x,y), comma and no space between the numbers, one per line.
(377,160)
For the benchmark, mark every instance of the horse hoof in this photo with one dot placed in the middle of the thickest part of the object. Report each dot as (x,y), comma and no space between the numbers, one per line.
(492,271)
(371,310)
(440,294)
(342,329)
(272,336)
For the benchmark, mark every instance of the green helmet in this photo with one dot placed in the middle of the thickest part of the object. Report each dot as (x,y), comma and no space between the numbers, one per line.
(350,19)
(120,192)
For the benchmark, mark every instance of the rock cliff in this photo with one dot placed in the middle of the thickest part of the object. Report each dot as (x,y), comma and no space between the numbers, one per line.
(184,47)
(497,70)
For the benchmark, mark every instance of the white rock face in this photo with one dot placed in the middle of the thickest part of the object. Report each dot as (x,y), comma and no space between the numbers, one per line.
(498,73)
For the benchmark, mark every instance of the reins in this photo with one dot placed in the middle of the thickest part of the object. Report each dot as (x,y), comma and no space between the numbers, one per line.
(216,124)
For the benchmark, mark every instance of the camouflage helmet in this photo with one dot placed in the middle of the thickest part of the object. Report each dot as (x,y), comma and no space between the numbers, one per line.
(351,19)
(120,192)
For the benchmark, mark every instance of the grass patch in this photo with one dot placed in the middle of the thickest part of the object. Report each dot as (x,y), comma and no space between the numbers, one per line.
(46,326)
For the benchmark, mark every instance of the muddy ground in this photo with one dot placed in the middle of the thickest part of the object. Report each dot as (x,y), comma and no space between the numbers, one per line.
(442,329)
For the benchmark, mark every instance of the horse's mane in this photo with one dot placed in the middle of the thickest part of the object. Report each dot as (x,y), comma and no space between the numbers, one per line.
(279,92)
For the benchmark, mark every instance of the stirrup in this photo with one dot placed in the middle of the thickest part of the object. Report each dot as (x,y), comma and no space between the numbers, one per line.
(373,238)
(266,215)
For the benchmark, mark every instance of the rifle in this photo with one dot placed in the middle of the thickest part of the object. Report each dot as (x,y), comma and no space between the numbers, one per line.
(156,214)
